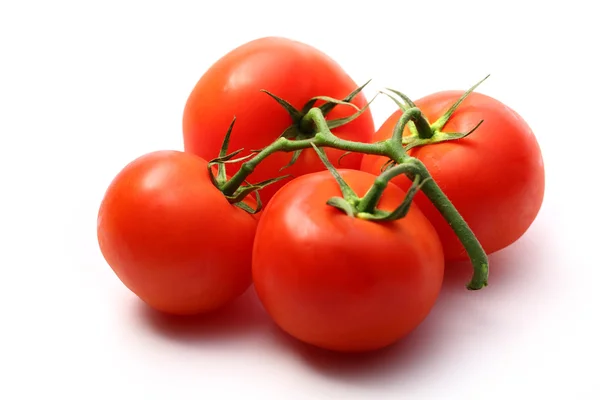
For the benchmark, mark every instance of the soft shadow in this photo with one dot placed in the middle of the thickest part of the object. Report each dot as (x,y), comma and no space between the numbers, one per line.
(457,314)
(242,317)
(388,366)
(509,268)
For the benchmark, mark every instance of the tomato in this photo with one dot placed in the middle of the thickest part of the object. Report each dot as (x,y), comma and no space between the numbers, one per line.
(172,237)
(343,283)
(293,71)
(494,177)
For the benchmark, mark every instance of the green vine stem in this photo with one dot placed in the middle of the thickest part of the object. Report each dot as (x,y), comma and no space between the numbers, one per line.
(413,167)
(413,114)
(393,149)
(323,138)
(371,199)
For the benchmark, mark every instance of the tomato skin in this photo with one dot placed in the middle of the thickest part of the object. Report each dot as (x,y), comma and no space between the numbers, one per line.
(171,236)
(342,283)
(232,87)
(494,177)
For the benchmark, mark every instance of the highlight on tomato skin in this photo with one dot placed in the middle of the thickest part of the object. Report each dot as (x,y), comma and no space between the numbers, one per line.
(494,177)
(171,236)
(343,283)
(291,70)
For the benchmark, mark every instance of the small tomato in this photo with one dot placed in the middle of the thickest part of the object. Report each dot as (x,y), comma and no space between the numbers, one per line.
(172,237)
(494,177)
(344,283)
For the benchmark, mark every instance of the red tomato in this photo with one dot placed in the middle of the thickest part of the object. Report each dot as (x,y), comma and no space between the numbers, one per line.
(494,177)
(343,283)
(232,87)
(172,237)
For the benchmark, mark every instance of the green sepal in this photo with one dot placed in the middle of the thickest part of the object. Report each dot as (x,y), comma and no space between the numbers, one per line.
(249,209)
(294,131)
(328,106)
(438,125)
(243,191)
(335,123)
(221,177)
(293,160)
(294,113)
(402,210)
(339,162)
(341,204)
(439,137)
(346,190)
(332,101)
(409,103)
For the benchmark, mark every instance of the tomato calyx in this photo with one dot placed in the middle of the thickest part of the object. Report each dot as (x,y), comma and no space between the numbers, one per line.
(302,126)
(422,132)
(220,179)
(366,207)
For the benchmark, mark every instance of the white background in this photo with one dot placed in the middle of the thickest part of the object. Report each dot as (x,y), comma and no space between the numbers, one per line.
(85,87)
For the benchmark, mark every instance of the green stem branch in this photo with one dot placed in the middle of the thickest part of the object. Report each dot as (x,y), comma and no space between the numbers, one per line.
(323,138)
(414,115)
(470,242)
(373,195)
(391,148)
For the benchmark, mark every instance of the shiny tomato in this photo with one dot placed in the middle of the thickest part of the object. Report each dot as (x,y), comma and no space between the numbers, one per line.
(494,176)
(172,237)
(344,283)
(293,71)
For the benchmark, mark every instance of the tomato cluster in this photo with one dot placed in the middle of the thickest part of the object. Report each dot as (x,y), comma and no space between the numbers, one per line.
(348,250)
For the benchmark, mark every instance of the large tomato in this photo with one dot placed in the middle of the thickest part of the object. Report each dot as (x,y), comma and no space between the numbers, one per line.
(172,237)
(293,71)
(494,176)
(344,283)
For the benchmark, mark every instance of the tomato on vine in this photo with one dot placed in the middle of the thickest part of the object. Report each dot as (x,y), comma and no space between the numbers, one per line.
(485,158)
(296,74)
(341,276)
(172,237)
